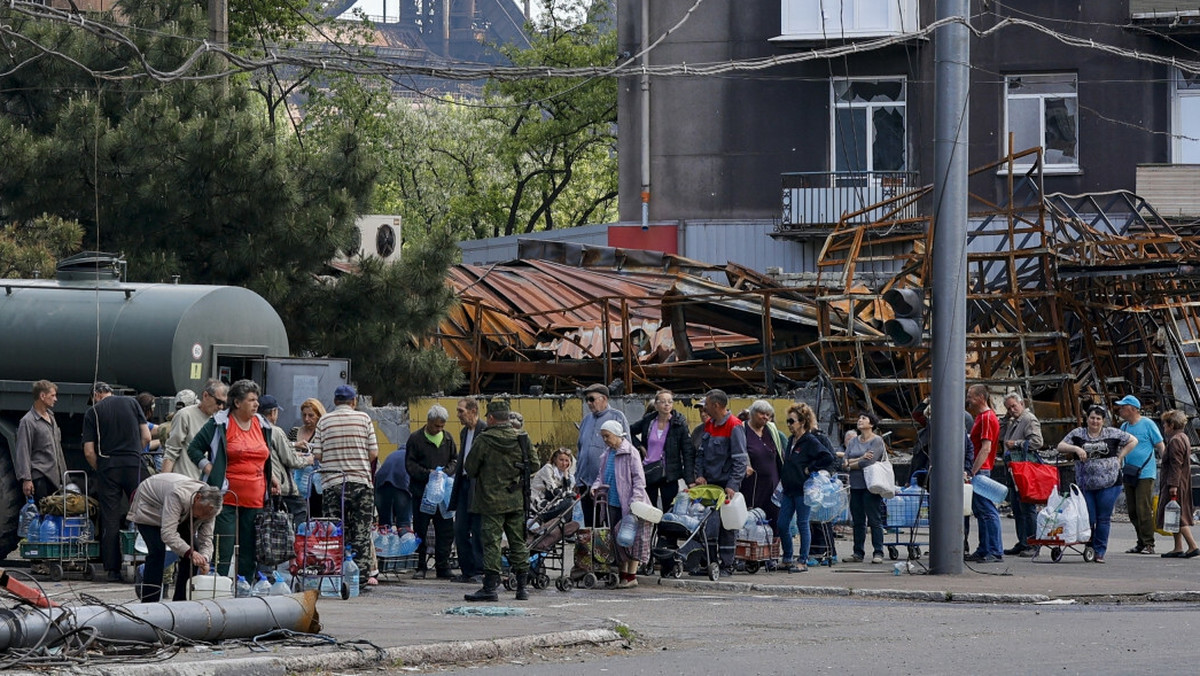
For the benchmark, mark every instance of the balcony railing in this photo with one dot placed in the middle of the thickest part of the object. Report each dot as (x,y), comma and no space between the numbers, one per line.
(819,199)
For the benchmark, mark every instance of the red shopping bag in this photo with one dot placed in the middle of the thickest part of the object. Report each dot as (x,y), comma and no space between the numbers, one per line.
(1035,481)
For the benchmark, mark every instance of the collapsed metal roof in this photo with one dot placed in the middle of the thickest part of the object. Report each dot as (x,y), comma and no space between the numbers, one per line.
(582,313)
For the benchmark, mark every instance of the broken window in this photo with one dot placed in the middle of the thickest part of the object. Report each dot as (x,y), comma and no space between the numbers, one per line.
(869,125)
(1043,110)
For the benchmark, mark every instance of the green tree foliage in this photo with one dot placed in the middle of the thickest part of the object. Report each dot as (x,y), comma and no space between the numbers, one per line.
(31,248)
(532,155)
(190,178)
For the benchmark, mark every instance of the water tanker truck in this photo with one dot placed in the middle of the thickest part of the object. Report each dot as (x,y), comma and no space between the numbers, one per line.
(88,325)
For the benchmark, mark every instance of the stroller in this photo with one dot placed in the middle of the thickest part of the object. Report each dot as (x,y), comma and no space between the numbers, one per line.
(547,529)
(693,524)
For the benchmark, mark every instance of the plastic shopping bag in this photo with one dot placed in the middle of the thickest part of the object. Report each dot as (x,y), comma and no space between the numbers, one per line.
(880,478)
(1083,528)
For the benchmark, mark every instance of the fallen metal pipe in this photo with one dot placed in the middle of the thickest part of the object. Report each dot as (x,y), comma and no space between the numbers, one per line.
(213,620)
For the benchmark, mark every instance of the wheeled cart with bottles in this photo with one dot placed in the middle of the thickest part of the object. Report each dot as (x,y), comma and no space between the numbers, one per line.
(688,534)
(66,542)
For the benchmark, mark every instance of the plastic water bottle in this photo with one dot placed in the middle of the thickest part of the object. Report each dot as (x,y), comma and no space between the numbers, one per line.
(350,573)
(627,531)
(279,587)
(243,587)
(29,514)
(406,544)
(48,531)
(262,587)
(34,533)
(1171,515)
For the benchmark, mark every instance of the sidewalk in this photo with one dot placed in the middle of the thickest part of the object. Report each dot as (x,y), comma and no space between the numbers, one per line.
(410,622)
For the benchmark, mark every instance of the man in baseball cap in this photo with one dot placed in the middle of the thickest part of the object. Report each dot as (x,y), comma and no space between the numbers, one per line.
(1140,471)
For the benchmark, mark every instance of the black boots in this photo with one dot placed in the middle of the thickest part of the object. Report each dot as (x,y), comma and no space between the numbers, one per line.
(487,593)
(522,579)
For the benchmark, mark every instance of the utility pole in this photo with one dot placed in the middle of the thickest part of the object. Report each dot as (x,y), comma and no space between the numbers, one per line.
(645,121)
(952,73)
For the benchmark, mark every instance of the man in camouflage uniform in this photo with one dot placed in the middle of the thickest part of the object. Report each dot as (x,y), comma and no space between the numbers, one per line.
(497,468)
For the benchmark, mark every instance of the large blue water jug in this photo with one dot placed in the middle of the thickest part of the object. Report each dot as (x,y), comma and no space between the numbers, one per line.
(989,488)
(49,529)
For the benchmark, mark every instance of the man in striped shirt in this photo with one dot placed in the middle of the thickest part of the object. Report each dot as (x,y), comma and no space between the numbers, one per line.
(344,443)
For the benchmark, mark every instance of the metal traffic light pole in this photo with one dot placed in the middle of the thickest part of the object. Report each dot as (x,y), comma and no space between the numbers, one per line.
(952,72)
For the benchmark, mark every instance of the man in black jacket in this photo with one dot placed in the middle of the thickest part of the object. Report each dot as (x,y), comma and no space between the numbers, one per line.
(428,449)
(467,525)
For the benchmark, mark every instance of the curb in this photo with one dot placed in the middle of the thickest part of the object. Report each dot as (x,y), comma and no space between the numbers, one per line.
(430,653)
(893,594)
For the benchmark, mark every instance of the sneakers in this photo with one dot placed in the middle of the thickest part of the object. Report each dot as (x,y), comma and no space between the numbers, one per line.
(1135,550)
(973,558)
(1017,550)
(877,558)
(1027,553)
(1149,549)
(855,558)
(727,572)
(990,558)
(629,583)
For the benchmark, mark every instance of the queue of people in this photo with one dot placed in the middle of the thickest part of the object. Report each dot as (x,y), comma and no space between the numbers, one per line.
(224,443)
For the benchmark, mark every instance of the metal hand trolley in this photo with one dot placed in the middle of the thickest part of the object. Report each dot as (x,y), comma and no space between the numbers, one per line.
(823,523)
(321,551)
(907,520)
(76,549)
(595,550)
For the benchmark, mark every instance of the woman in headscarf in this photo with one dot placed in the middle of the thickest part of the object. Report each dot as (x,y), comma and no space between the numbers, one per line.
(622,478)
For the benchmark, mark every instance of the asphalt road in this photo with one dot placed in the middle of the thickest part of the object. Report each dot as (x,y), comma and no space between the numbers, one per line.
(720,634)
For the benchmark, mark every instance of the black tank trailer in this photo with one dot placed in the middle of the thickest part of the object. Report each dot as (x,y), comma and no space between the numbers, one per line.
(88,325)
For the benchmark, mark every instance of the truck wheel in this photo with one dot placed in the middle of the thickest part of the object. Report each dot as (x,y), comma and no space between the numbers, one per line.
(11,500)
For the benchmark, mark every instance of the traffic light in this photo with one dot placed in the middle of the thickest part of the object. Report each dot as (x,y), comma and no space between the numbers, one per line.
(908,321)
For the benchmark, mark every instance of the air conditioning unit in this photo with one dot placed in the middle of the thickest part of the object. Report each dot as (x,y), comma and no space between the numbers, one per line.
(379,235)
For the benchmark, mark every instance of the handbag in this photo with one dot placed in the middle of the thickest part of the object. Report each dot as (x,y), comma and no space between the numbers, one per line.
(1131,473)
(880,478)
(655,472)
(273,535)
(1035,481)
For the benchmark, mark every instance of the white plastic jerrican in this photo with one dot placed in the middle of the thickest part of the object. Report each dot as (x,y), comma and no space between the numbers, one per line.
(208,587)
(734,513)
(968,495)
(646,512)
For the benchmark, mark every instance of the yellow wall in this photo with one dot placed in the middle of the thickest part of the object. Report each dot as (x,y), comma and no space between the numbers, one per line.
(554,421)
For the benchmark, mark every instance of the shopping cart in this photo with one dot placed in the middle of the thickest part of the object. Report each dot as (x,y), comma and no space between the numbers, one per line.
(596,550)
(907,520)
(825,519)
(320,547)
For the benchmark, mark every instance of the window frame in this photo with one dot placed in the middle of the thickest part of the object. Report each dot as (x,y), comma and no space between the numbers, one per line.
(1179,91)
(1074,167)
(835,105)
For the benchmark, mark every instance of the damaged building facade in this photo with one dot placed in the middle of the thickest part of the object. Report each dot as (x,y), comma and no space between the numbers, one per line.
(815,182)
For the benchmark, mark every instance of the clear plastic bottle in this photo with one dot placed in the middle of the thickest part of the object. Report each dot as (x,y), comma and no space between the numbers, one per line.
(279,587)
(243,587)
(627,531)
(1171,516)
(262,587)
(350,574)
(29,515)
(406,544)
